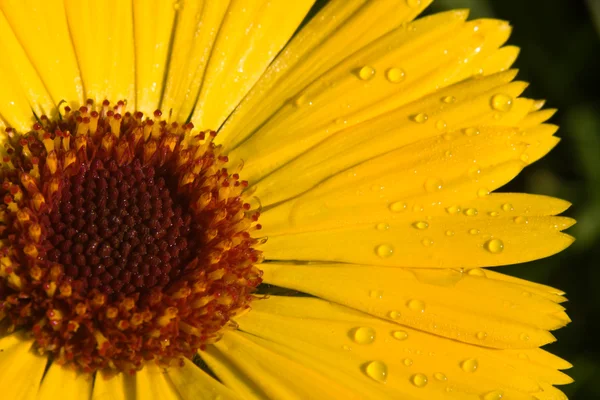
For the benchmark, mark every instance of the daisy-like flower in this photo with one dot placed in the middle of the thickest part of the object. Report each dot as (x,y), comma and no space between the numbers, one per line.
(201,202)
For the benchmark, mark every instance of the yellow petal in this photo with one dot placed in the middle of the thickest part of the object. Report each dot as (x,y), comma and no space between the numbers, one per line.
(462,306)
(192,42)
(41,28)
(338,341)
(153,25)
(114,387)
(347,95)
(102,37)
(409,124)
(338,30)
(22,89)
(152,382)
(249,38)
(65,383)
(20,369)
(193,383)
(249,367)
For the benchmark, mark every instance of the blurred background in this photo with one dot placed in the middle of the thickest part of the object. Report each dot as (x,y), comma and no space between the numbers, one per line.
(560,57)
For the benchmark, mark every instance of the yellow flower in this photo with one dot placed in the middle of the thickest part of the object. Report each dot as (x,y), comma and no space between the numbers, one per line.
(367,144)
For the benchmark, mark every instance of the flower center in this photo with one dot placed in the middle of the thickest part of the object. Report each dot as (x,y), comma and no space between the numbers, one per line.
(122,238)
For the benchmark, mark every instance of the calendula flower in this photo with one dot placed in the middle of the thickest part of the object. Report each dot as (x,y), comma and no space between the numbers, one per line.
(201,201)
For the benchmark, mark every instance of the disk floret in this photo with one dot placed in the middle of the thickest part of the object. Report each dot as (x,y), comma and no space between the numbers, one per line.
(123,238)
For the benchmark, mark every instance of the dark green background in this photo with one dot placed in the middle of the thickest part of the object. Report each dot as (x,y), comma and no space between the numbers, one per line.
(560,57)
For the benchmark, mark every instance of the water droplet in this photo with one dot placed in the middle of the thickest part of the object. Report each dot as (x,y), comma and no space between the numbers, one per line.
(420,118)
(440,377)
(524,337)
(416,305)
(376,294)
(448,153)
(449,233)
(421,225)
(427,242)
(408,362)
(417,208)
(495,395)
(474,172)
(469,365)
(384,250)
(433,184)
(398,206)
(520,220)
(525,158)
(363,335)
(382,226)
(176,5)
(474,231)
(481,335)
(471,131)
(400,335)
(476,272)
(507,207)
(449,99)
(482,192)
(300,100)
(453,210)
(346,348)
(377,371)
(377,188)
(395,75)
(419,380)
(365,73)
(471,212)
(413,3)
(494,246)
(493,213)
(501,102)
(441,125)
(394,314)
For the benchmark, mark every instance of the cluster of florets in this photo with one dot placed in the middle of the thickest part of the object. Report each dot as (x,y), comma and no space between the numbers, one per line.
(122,238)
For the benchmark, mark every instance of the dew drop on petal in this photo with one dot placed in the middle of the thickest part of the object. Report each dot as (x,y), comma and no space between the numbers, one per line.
(482,192)
(473,231)
(394,314)
(494,246)
(501,102)
(476,272)
(382,226)
(474,172)
(449,233)
(433,184)
(427,242)
(400,335)
(384,250)
(524,337)
(363,335)
(441,125)
(413,3)
(449,99)
(481,335)
(416,305)
(471,212)
(453,210)
(507,207)
(420,118)
(419,380)
(469,365)
(520,220)
(365,73)
(300,100)
(376,294)
(495,395)
(398,206)
(440,377)
(493,213)
(421,225)
(377,370)
(471,131)
(408,362)
(395,75)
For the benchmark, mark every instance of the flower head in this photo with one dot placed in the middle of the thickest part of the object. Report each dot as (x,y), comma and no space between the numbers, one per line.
(368,145)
